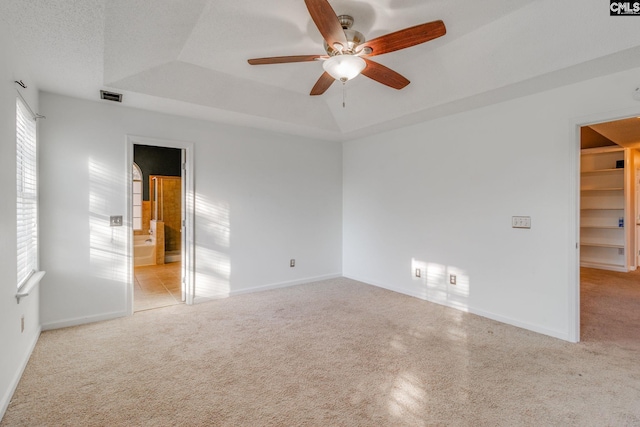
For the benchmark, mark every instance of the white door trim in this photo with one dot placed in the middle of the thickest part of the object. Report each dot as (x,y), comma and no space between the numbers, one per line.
(188,254)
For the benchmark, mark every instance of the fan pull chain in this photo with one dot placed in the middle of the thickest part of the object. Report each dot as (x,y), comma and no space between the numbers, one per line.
(344,95)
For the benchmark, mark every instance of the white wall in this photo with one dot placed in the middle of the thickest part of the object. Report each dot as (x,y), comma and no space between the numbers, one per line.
(440,196)
(261,199)
(15,346)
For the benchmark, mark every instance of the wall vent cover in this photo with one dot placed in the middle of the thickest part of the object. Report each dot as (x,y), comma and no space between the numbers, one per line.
(111,96)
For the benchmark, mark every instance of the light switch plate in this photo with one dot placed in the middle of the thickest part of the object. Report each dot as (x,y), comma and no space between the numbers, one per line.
(115,220)
(521,222)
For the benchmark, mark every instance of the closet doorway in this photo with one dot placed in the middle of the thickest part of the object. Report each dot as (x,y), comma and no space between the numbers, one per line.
(609,220)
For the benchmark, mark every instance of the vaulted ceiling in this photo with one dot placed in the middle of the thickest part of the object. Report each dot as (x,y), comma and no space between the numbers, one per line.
(189,57)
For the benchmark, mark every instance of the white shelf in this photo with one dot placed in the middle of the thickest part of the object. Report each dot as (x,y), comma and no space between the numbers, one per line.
(603,171)
(602,245)
(603,189)
(603,203)
(602,150)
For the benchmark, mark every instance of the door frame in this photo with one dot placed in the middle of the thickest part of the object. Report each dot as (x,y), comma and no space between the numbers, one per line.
(188,207)
(574,211)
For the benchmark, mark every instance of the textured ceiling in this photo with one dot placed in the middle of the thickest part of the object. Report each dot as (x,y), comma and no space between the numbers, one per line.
(190,57)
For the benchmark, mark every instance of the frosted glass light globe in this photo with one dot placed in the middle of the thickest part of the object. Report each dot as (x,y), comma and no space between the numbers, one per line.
(344,67)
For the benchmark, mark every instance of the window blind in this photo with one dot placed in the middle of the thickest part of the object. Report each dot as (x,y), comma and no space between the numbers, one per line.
(27,194)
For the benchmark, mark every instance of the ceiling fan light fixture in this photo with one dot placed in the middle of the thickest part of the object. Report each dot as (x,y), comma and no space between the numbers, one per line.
(344,67)
(345,48)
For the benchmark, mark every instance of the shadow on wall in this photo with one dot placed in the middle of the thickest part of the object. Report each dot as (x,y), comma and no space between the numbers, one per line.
(213,269)
(108,245)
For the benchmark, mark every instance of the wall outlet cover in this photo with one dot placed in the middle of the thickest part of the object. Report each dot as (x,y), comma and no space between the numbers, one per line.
(521,222)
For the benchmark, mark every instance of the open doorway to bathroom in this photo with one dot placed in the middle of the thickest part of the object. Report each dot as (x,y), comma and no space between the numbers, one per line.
(157,222)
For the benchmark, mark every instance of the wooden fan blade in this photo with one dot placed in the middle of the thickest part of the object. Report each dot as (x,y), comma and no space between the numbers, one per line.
(322,84)
(327,22)
(384,75)
(285,59)
(404,38)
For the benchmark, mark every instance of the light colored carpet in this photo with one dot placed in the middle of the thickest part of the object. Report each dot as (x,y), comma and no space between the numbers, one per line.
(332,353)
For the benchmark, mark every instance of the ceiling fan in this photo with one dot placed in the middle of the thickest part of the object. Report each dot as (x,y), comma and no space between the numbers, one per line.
(348,52)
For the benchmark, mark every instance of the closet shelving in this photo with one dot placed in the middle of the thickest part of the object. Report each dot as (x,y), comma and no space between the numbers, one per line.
(603,240)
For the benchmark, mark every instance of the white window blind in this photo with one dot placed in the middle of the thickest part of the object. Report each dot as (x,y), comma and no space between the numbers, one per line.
(27,197)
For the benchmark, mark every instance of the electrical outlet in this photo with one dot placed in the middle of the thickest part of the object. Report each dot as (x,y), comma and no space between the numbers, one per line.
(292,263)
(115,221)
(21,324)
(418,272)
(452,279)
(521,222)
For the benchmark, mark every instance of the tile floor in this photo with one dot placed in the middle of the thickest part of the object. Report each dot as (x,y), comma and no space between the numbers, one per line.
(156,286)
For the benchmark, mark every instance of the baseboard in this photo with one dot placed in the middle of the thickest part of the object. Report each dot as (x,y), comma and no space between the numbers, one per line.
(498,318)
(601,266)
(392,288)
(82,320)
(524,325)
(285,284)
(268,287)
(6,399)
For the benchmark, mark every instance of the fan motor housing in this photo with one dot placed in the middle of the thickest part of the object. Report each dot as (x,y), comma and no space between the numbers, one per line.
(354,38)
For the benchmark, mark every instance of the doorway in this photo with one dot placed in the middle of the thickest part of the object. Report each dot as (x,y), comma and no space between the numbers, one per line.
(608,230)
(160,197)
(157,218)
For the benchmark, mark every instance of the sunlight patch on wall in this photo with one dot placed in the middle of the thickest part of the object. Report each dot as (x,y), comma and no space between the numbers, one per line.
(435,283)
(213,272)
(216,217)
(107,244)
(213,266)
